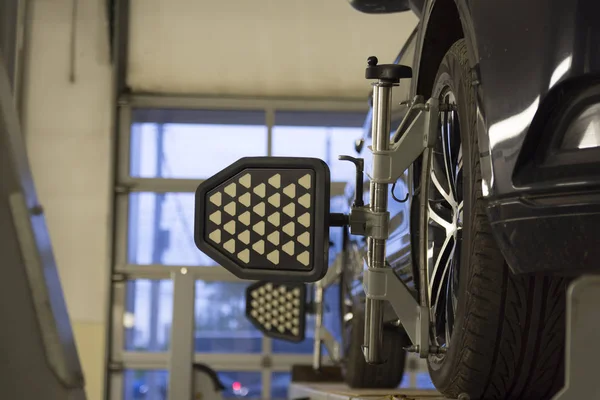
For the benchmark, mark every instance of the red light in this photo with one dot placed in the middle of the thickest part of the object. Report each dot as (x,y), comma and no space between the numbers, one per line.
(236,385)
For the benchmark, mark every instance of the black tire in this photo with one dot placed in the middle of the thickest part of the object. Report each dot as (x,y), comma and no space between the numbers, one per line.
(359,374)
(509,336)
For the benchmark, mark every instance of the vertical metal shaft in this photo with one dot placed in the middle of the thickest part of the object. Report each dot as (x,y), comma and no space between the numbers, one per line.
(318,324)
(373,344)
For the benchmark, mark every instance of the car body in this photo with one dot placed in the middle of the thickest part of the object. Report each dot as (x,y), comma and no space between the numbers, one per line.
(536,73)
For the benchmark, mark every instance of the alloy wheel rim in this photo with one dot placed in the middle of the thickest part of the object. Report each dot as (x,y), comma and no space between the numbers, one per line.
(444,222)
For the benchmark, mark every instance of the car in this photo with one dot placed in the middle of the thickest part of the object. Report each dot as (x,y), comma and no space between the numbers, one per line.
(508,198)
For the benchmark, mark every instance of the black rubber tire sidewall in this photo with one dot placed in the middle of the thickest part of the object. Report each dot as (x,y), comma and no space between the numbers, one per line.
(358,374)
(452,74)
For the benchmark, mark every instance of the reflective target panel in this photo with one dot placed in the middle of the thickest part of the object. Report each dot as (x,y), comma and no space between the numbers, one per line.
(277,309)
(267,218)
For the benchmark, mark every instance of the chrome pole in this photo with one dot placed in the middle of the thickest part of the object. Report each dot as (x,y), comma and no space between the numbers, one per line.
(373,340)
(318,324)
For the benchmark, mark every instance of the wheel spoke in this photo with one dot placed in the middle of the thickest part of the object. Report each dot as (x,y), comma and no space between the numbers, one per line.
(436,266)
(438,219)
(447,152)
(442,279)
(348,317)
(459,161)
(446,195)
(459,211)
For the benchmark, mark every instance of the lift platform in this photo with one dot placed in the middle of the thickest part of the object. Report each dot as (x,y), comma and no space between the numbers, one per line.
(338,391)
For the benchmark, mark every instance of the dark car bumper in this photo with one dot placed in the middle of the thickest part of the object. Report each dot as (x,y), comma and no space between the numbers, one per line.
(552,223)
(557,234)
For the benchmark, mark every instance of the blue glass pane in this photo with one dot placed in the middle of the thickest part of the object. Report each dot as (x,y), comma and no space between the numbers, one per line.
(405,381)
(326,143)
(221,323)
(424,381)
(246,385)
(331,321)
(161,230)
(146,385)
(148,315)
(219,310)
(154,385)
(192,151)
(280,383)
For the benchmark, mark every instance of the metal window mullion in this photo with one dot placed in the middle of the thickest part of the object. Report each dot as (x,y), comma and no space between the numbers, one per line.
(270,121)
(117,384)
(156,271)
(267,349)
(182,336)
(124,141)
(241,103)
(121,228)
(266,383)
(233,361)
(145,361)
(159,185)
(118,309)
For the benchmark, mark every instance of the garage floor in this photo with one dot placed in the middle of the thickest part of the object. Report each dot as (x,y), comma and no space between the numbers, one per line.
(336,391)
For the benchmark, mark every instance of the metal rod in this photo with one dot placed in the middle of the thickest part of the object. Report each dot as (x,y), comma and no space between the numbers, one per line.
(318,324)
(423,227)
(373,340)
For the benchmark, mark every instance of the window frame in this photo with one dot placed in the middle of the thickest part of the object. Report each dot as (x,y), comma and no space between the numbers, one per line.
(118,359)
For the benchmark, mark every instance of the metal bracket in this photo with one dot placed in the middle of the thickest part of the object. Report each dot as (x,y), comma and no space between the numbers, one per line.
(383,284)
(365,222)
(415,133)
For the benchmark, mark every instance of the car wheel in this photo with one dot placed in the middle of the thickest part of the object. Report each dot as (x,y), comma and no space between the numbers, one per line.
(357,373)
(502,335)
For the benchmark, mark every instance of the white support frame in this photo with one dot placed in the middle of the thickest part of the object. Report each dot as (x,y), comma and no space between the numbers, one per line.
(120,360)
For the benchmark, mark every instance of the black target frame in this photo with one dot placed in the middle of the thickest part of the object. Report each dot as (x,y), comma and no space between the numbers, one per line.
(319,212)
(301,311)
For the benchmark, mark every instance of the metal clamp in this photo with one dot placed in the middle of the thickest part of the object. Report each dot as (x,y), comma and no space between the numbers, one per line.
(365,222)
(383,284)
(413,136)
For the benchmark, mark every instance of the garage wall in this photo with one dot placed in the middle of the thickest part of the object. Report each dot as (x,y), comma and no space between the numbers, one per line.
(315,48)
(68,131)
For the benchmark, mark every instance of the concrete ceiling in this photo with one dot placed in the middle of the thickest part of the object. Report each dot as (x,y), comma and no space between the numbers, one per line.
(309,48)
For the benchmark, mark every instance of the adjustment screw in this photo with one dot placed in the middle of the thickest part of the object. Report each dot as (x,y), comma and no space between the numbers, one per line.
(412,349)
(372,61)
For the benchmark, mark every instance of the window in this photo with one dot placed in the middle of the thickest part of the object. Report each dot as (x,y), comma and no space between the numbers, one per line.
(146,385)
(193,144)
(147,320)
(320,135)
(164,153)
(161,230)
(221,324)
(247,385)
(280,382)
(219,312)
(154,385)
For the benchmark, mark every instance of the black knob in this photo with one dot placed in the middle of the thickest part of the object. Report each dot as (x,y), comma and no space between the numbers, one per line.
(386,72)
